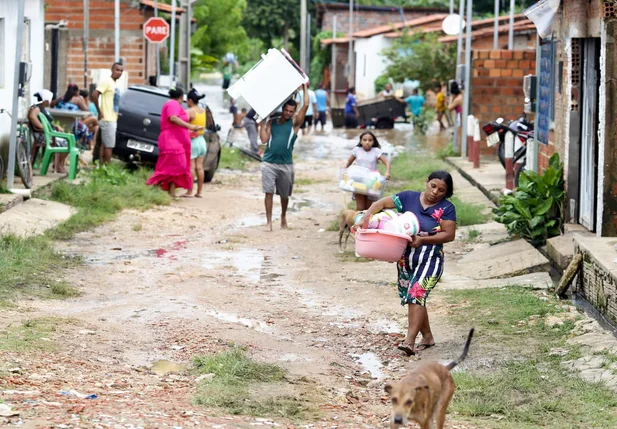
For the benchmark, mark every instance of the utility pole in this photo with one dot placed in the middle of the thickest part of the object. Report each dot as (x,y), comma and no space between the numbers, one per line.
(333,74)
(117,30)
(452,6)
(86,37)
(459,50)
(10,174)
(511,31)
(172,42)
(184,48)
(467,77)
(158,45)
(459,47)
(307,70)
(303,35)
(350,65)
(496,34)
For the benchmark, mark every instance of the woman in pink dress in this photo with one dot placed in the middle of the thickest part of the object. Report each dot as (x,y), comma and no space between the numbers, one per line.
(173,165)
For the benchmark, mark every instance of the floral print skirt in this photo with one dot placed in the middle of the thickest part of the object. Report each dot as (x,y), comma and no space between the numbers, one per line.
(414,283)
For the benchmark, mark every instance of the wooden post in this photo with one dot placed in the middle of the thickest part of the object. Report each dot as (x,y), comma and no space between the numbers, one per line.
(509,160)
(476,144)
(568,275)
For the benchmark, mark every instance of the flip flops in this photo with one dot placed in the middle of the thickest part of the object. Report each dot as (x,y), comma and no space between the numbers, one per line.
(406,348)
(420,346)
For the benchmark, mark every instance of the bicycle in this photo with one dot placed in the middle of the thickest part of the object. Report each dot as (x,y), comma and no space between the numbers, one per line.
(22,153)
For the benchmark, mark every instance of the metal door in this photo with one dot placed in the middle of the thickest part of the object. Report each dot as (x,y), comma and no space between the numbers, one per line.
(589,135)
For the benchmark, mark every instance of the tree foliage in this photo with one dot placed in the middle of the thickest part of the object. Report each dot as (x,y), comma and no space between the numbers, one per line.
(274,22)
(421,57)
(219,28)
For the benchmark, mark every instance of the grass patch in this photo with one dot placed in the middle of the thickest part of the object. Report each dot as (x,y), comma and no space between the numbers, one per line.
(469,214)
(305,181)
(242,386)
(31,266)
(335,224)
(409,172)
(350,255)
(497,313)
(233,159)
(102,196)
(532,389)
(32,334)
(472,234)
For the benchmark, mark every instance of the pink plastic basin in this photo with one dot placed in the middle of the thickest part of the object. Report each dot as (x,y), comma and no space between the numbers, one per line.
(381,245)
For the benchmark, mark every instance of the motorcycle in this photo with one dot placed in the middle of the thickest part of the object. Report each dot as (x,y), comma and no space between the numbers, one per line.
(523,130)
(496,133)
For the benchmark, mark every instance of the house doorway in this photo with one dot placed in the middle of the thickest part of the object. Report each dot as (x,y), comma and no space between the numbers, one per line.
(589,133)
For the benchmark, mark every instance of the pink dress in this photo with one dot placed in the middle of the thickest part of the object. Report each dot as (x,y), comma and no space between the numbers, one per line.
(174,162)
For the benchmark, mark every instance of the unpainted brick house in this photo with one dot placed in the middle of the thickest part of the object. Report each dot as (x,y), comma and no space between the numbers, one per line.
(64,45)
(584,121)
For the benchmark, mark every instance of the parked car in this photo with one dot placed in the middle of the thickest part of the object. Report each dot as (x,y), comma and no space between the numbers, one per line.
(139,126)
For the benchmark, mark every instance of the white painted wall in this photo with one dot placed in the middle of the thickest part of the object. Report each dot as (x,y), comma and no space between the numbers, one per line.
(34,52)
(601,132)
(370,64)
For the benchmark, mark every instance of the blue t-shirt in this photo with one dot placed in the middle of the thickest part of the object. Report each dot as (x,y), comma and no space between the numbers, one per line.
(409,201)
(349,105)
(426,260)
(415,104)
(322,100)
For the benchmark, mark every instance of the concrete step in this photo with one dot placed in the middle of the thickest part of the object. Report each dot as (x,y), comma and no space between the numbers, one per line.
(535,280)
(510,259)
(34,217)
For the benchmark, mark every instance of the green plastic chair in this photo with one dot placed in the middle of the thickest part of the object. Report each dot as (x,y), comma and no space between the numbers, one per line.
(50,150)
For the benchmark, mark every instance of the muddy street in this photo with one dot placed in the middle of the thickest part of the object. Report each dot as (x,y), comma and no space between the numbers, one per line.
(165,292)
(163,286)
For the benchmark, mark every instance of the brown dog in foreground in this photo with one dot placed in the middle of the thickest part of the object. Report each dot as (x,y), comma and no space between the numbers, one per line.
(424,395)
(347,221)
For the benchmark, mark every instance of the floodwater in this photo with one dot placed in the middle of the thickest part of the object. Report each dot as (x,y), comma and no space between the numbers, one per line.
(333,143)
(371,364)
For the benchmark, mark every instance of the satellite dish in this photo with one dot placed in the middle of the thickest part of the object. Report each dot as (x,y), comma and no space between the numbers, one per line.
(452,25)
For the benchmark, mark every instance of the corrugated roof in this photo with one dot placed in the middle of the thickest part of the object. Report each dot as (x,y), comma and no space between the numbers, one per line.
(421,22)
(518,27)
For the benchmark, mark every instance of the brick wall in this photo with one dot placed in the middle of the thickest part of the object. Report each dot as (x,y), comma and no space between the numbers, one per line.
(497,84)
(597,285)
(101,46)
(363,20)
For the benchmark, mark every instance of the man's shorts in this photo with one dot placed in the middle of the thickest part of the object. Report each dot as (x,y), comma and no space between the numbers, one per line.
(226,82)
(321,117)
(308,121)
(277,179)
(108,133)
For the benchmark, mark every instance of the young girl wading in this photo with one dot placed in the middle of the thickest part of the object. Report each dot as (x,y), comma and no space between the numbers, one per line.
(421,267)
(366,154)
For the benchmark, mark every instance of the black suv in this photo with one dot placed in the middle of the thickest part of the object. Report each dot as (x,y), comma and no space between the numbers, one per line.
(139,123)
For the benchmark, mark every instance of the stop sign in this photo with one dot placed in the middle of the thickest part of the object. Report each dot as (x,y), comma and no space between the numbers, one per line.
(156,30)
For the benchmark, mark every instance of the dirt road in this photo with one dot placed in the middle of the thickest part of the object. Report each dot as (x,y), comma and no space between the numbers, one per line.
(199,276)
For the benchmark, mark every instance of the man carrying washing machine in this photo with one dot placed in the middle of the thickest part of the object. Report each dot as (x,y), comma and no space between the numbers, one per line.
(277,169)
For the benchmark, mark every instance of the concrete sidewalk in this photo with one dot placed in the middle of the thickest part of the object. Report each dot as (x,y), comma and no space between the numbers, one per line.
(8,201)
(490,178)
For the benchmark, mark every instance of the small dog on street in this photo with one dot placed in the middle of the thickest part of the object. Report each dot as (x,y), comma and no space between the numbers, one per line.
(424,395)
(347,221)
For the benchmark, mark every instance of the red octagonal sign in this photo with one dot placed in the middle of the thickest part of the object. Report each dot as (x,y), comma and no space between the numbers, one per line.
(156,30)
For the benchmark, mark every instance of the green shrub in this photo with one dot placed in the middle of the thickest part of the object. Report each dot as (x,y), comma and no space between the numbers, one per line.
(534,211)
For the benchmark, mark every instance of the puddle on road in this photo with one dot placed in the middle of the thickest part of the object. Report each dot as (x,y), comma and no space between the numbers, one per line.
(371,364)
(163,367)
(247,263)
(257,325)
(385,326)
